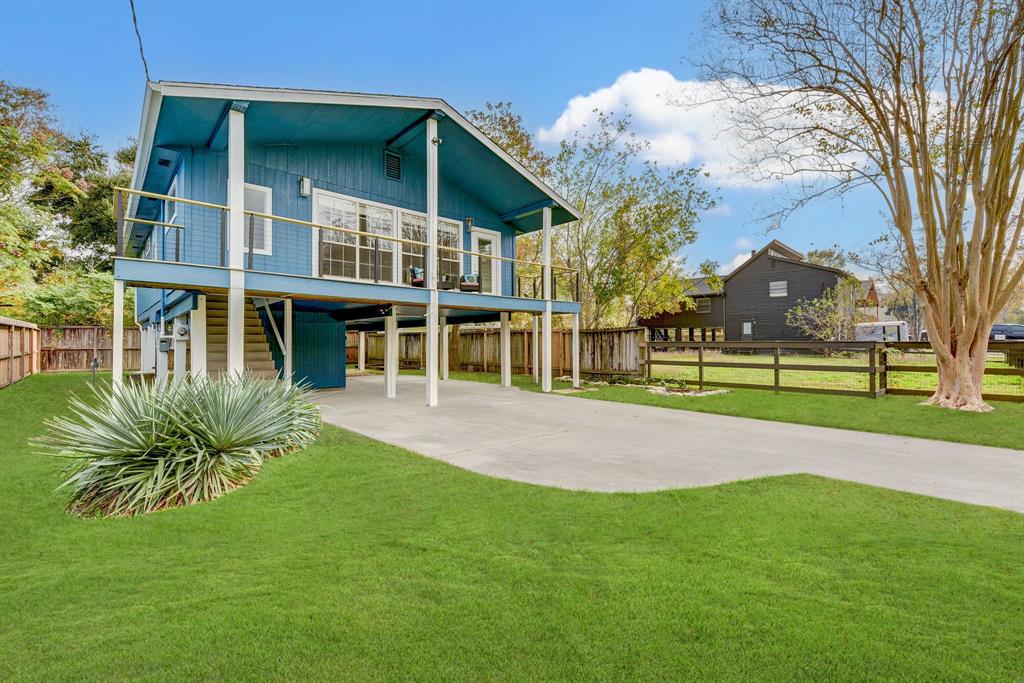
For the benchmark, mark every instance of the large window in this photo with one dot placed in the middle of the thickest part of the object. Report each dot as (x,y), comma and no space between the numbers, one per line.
(258,199)
(778,288)
(370,255)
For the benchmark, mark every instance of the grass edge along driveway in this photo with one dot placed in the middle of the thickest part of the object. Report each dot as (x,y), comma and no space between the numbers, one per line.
(358,560)
(899,415)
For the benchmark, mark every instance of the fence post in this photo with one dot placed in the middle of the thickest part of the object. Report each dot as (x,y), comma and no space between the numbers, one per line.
(484,334)
(776,353)
(873,374)
(700,368)
(883,370)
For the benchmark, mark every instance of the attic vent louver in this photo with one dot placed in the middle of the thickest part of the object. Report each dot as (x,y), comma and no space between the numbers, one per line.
(164,162)
(392,165)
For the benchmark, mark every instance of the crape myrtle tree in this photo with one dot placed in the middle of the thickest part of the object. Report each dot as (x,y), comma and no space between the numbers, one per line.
(636,216)
(920,100)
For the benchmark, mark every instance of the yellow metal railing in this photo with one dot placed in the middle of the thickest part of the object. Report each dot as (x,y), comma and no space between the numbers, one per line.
(123,193)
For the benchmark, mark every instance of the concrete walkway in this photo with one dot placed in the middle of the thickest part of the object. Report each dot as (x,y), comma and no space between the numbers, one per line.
(603,446)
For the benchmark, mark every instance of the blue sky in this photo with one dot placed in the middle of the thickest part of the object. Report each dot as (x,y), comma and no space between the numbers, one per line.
(539,56)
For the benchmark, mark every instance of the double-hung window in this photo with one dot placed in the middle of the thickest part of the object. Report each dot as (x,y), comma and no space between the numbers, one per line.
(260,200)
(337,248)
(779,288)
(448,233)
(375,254)
(414,227)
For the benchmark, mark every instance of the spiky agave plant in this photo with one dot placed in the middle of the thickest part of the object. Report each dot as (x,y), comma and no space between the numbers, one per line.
(144,447)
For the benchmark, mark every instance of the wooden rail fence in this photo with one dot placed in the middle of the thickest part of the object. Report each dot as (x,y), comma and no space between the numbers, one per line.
(19,350)
(868,369)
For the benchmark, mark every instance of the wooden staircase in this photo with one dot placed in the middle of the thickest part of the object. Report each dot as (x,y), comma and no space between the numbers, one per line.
(258,361)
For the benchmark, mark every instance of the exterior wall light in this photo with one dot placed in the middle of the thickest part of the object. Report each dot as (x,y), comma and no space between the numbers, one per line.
(305,187)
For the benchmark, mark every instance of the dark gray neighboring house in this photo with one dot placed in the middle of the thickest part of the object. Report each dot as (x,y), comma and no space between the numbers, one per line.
(752,303)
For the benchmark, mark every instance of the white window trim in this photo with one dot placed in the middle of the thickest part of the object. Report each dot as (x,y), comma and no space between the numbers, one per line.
(772,295)
(396,227)
(269,235)
(496,237)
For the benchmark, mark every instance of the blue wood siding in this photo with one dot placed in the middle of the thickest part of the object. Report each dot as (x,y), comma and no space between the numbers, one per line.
(352,169)
(319,340)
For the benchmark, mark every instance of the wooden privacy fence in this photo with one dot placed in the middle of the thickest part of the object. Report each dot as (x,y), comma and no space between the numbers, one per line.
(69,349)
(19,350)
(868,369)
(602,352)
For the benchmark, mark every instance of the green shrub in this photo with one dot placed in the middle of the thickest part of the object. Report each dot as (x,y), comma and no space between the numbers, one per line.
(144,447)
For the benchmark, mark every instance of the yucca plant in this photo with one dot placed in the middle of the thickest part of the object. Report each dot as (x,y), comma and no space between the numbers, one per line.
(143,447)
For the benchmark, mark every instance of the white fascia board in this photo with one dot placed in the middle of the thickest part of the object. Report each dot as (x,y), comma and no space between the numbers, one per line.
(144,148)
(179,89)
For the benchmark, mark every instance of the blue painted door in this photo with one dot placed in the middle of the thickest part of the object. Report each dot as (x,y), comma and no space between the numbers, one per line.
(319,349)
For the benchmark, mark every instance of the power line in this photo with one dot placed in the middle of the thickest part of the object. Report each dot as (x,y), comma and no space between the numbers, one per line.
(142,54)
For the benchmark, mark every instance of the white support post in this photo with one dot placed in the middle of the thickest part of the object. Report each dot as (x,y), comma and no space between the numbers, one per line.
(180,348)
(289,353)
(361,356)
(147,352)
(236,240)
(506,349)
(431,357)
(546,324)
(161,355)
(444,347)
(117,350)
(197,338)
(576,350)
(433,333)
(545,349)
(535,364)
(391,354)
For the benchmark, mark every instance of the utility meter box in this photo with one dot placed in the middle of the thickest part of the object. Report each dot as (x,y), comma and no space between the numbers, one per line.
(180,332)
(165,345)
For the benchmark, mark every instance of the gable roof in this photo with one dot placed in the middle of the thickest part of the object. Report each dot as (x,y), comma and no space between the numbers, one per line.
(784,253)
(700,286)
(189,114)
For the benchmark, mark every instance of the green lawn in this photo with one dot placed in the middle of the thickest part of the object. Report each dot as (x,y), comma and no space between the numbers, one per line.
(903,415)
(355,560)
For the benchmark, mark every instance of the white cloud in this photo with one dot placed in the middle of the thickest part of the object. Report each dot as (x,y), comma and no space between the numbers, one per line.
(681,120)
(736,262)
(744,243)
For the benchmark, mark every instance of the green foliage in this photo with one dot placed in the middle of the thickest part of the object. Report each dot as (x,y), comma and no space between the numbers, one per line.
(71,296)
(832,257)
(144,447)
(832,316)
(637,216)
(27,137)
(22,255)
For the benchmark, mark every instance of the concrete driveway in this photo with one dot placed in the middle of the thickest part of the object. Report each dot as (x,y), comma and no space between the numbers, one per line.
(575,443)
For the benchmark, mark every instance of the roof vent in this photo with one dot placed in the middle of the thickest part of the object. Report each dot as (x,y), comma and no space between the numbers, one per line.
(164,162)
(392,165)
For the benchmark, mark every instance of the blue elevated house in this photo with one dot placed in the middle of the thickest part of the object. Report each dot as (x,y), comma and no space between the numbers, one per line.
(264,223)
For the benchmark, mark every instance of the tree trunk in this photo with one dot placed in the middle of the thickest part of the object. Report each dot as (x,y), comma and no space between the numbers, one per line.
(961,372)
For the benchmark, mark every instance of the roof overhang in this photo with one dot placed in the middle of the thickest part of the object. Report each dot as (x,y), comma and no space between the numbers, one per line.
(191,114)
